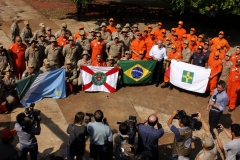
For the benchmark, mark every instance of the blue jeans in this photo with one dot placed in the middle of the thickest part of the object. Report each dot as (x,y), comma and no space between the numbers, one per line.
(71,157)
(32,149)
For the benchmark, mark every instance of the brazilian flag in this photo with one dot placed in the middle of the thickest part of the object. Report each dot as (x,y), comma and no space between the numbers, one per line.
(137,72)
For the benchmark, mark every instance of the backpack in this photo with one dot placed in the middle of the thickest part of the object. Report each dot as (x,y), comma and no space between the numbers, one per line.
(77,147)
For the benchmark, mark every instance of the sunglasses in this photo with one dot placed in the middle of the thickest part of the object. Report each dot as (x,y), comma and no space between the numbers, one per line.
(110,21)
(98,36)
(138,35)
(19,41)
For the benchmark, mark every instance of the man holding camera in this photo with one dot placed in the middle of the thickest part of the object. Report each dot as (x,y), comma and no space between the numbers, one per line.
(183,137)
(148,137)
(27,139)
(100,136)
(217,104)
(209,149)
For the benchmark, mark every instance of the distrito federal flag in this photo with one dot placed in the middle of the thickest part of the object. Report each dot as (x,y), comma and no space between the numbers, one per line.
(99,78)
(189,77)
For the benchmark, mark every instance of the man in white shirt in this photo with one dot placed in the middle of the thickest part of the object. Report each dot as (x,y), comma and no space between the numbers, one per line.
(158,53)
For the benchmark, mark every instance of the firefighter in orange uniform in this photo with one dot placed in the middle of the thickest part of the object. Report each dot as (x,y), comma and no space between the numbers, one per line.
(149,30)
(215,64)
(149,43)
(77,35)
(222,54)
(158,31)
(191,34)
(180,30)
(235,56)
(233,83)
(63,39)
(220,41)
(164,36)
(171,35)
(137,46)
(97,46)
(177,43)
(184,38)
(111,27)
(193,46)
(145,34)
(17,53)
(200,40)
(173,54)
(99,61)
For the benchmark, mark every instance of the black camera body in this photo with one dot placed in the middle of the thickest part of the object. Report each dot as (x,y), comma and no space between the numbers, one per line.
(194,123)
(131,122)
(31,118)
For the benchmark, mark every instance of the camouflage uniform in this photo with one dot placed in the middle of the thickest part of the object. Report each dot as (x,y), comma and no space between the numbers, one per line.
(14,31)
(71,53)
(53,55)
(33,56)
(26,35)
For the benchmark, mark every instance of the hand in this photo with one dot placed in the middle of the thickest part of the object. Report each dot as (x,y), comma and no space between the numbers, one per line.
(208,109)
(199,116)
(175,112)
(221,126)
(67,80)
(178,60)
(215,132)
(211,103)
(39,118)
(104,120)
(206,67)
(210,77)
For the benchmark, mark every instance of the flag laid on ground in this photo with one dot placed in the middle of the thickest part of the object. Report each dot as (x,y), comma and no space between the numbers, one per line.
(137,72)
(36,87)
(99,78)
(189,77)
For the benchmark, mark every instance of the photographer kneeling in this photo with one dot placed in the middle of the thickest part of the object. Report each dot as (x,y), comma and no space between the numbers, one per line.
(77,134)
(26,131)
(183,137)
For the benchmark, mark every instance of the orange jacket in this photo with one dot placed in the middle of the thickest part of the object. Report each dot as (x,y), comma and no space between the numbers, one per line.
(193,48)
(170,36)
(149,43)
(178,45)
(158,33)
(96,63)
(18,54)
(97,48)
(189,37)
(234,57)
(138,46)
(215,65)
(180,32)
(176,55)
(111,29)
(200,43)
(163,39)
(223,43)
(62,41)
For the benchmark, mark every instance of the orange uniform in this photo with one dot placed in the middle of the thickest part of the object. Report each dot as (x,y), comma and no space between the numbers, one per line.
(233,86)
(193,48)
(164,39)
(190,36)
(170,36)
(17,54)
(138,46)
(62,41)
(145,37)
(180,32)
(234,57)
(178,45)
(200,43)
(97,48)
(149,43)
(111,29)
(223,43)
(96,63)
(171,55)
(158,33)
(221,54)
(215,66)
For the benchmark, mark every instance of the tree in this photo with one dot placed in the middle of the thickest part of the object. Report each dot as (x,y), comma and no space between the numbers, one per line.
(81,3)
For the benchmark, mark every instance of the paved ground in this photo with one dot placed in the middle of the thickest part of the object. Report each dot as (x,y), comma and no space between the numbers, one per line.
(139,101)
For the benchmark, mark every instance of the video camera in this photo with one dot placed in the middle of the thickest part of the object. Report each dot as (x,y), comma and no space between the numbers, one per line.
(131,122)
(194,123)
(31,118)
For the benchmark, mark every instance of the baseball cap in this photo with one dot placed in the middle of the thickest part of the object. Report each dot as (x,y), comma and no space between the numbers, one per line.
(152,33)
(173,47)
(41,35)
(207,141)
(168,39)
(8,135)
(228,54)
(82,33)
(206,43)
(26,22)
(46,61)
(80,27)
(184,36)
(185,42)
(135,26)
(85,53)
(111,19)
(124,30)
(160,23)
(221,32)
(70,38)
(116,36)
(127,25)
(118,26)
(127,52)
(16,18)
(32,40)
(31,66)
(200,47)
(180,22)
(173,29)
(41,25)
(92,30)
(103,24)
(139,33)
(193,39)
(192,29)
(53,39)
(48,28)
(145,30)
(175,34)
(149,26)
(164,31)
(110,58)
(68,61)
(201,36)
(64,25)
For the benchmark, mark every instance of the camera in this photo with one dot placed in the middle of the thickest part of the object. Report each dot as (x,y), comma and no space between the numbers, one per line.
(194,123)
(218,126)
(214,98)
(31,118)
(131,122)
(89,115)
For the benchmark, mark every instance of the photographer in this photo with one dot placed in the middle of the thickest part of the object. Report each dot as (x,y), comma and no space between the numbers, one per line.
(100,136)
(27,139)
(76,142)
(209,150)
(148,137)
(233,147)
(183,137)
(122,150)
(217,104)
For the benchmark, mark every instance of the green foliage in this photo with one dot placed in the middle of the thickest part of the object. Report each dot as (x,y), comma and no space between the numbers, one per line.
(83,2)
(226,6)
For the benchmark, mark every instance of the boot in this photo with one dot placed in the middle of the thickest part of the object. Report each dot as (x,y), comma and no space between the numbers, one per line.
(74,90)
(166,85)
(9,108)
(171,87)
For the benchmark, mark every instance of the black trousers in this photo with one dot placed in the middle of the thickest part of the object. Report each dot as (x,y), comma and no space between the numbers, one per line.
(158,71)
(214,117)
(98,152)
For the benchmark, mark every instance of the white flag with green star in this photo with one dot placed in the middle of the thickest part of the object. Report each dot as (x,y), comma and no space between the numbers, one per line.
(189,77)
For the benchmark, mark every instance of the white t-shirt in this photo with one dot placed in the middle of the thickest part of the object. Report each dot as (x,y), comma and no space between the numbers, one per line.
(232,148)
(158,53)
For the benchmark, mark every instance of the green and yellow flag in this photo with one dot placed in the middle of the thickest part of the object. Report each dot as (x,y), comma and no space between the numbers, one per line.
(137,72)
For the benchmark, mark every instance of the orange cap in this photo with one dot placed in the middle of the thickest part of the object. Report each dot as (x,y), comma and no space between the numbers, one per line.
(111,19)
(221,32)
(149,26)
(173,29)
(184,36)
(173,47)
(164,30)
(180,22)
(193,39)
(201,36)
(217,54)
(145,30)
(192,29)
(139,33)
(159,23)
(80,27)
(152,33)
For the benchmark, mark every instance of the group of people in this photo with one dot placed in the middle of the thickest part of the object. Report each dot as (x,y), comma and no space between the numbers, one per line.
(125,144)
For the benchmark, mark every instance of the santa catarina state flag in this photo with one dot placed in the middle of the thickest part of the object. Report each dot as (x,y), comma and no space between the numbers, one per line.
(99,78)
(137,72)
(189,77)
